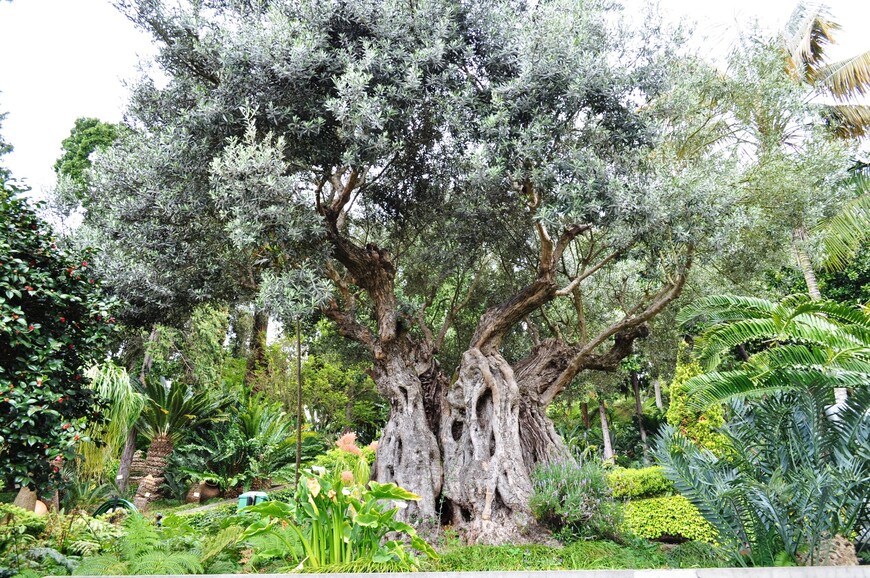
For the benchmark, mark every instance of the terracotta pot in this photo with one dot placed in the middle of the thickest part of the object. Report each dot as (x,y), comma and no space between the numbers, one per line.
(208,490)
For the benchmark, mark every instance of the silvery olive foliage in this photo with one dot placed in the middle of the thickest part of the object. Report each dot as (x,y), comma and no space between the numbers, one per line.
(293,295)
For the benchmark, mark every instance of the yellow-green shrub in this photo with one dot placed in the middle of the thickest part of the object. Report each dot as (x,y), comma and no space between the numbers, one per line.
(699,426)
(675,516)
(639,483)
(18,520)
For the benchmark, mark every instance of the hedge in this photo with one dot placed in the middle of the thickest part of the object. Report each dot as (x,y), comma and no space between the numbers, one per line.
(639,483)
(667,517)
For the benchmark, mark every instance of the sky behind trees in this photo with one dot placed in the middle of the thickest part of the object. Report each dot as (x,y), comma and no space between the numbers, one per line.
(65,59)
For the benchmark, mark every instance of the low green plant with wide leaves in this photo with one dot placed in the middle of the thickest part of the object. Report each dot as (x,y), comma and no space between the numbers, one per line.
(335,523)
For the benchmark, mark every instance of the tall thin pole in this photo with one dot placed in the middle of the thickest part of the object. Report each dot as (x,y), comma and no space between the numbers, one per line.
(298,400)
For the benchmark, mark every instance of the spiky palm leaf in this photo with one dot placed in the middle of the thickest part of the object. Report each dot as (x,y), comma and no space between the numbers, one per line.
(804,344)
(797,471)
(844,233)
(173,409)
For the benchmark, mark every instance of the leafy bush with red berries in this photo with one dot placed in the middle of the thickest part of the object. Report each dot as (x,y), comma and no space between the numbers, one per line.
(54,322)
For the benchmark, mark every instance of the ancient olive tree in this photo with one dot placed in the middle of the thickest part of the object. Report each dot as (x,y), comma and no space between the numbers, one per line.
(451,169)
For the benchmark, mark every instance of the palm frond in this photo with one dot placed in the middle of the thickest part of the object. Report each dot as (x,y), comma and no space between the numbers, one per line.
(723,308)
(848,120)
(845,79)
(723,337)
(808,32)
(845,232)
(722,386)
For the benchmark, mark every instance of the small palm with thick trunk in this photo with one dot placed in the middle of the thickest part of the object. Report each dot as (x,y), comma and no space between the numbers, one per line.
(172,411)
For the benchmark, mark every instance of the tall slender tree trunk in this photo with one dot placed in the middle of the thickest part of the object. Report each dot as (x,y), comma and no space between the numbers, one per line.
(298,401)
(638,411)
(657,388)
(123,476)
(584,409)
(605,431)
(126,460)
(799,237)
(841,394)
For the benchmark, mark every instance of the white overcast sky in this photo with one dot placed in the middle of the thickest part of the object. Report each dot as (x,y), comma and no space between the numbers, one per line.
(64,59)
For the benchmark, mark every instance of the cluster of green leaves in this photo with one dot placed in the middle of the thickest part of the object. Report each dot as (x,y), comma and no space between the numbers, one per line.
(671,517)
(575,501)
(334,523)
(173,548)
(86,136)
(633,483)
(254,445)
(339,460)
(54,322)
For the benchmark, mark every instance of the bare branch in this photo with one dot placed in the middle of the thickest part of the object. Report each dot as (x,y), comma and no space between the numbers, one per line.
(566,290)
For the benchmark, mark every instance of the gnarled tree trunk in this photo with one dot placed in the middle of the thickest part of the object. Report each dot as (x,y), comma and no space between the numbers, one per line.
(487,480)
(408,451)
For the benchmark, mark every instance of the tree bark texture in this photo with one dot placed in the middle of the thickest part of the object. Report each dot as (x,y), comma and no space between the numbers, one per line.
(155,463)
(657,387)
(799,238)
(126,460)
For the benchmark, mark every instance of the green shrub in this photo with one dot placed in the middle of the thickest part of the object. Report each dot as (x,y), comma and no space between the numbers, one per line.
(669,516)
(574,502)
(19,520)
(699,426)
(639,483)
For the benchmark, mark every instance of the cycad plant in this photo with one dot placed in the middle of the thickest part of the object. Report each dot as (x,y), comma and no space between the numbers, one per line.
(257,442)
(173,410)
(797,474)
(799,344)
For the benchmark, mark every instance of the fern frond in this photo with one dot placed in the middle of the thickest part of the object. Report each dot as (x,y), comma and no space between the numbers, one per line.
(158,563)
(214,545)
(103,565)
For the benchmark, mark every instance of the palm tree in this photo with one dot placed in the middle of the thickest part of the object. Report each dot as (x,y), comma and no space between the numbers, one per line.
(802,344)
(807,34)
(172,411)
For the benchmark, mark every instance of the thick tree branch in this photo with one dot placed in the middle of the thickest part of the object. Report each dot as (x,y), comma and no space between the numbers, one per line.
(626,331)
(499,319)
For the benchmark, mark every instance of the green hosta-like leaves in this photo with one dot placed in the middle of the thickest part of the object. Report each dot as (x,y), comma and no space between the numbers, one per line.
(335,524)
(391,492)
(368,520)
